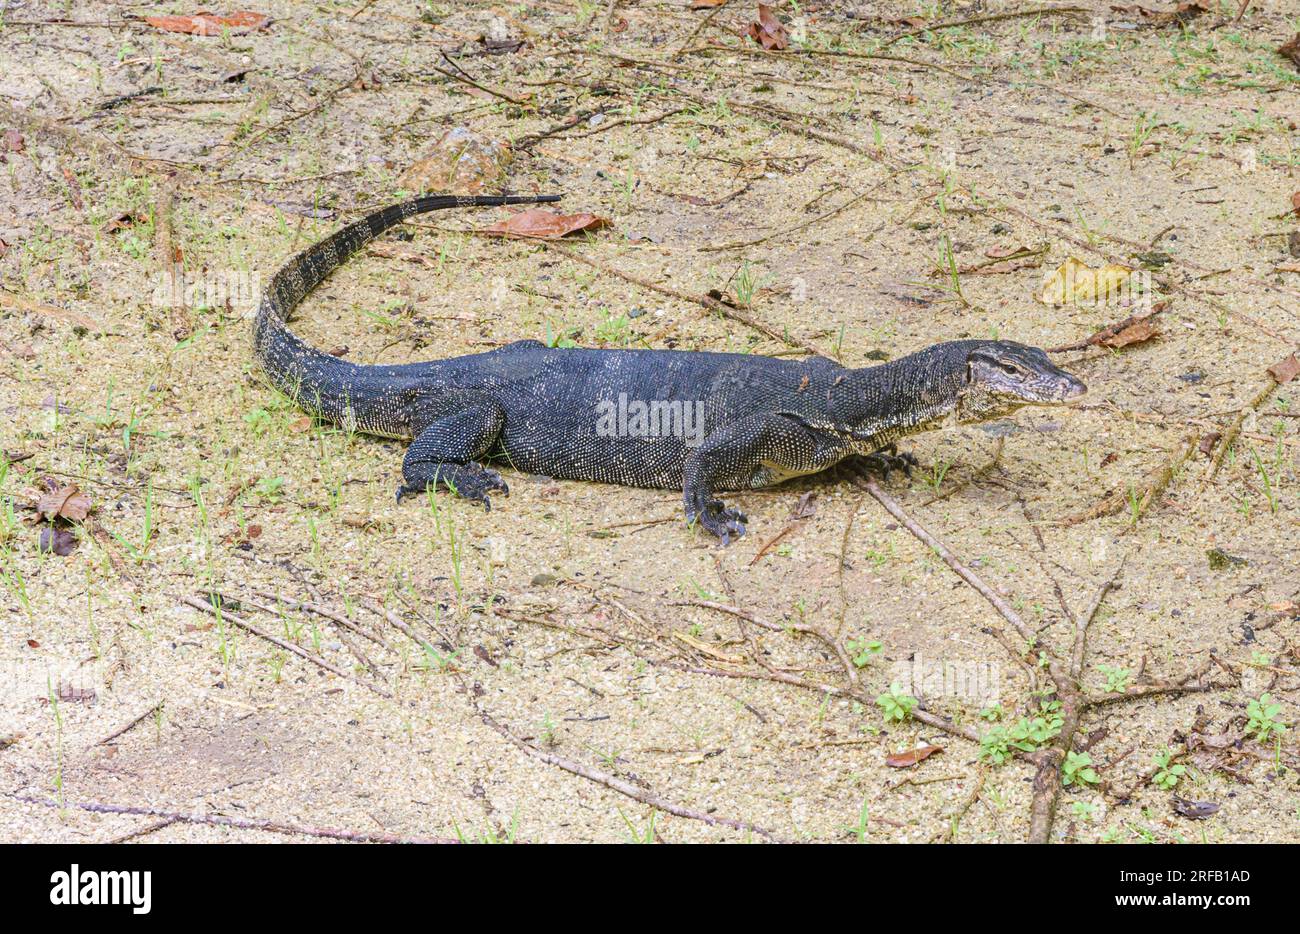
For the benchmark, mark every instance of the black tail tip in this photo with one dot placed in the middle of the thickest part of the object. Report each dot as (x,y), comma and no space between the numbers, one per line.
(515,199)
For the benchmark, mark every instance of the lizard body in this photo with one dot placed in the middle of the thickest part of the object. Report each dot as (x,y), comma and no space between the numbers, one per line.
(690,420)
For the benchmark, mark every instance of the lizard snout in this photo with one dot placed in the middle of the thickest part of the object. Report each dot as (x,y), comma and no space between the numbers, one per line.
(1072,388)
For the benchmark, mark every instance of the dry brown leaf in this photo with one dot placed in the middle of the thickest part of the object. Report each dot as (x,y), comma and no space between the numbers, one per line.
(57,541)
(1135,333)
(1295,203)
(65,501)
(1291,49)
(1225,740)
(1195,810)
(211,24)
(706,4)
(905,760)
(14,141)
(1285,370)
(768,31)
(1183,13)
(545,225)
(1005,252)
(122,220)
(299,425)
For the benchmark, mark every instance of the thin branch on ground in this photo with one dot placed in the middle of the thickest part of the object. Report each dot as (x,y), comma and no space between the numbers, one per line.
(612,782)
(287,646)
(704,301)
(148,712)
(945,553)
(237,823)
(991,18)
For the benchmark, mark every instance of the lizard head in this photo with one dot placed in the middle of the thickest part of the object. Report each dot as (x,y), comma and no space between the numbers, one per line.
(1001,376)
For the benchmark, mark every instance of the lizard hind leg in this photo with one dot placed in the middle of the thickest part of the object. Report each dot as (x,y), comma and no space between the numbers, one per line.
(444,455)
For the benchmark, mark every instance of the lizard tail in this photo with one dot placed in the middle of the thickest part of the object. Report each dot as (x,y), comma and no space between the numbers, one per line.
(287,360)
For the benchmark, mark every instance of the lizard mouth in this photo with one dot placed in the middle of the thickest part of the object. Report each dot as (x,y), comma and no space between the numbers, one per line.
(1073,390)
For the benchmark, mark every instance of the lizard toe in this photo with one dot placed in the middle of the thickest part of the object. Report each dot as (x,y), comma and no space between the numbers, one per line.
(717,519)
(408,489)
(492,481)
(884,462)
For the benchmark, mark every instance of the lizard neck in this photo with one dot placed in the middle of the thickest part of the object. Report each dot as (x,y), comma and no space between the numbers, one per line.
(921,391)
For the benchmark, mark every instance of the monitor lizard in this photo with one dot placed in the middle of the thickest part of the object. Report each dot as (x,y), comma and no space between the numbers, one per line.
(696,421)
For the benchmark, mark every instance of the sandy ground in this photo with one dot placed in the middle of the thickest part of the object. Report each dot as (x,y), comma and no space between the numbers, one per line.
(831,188)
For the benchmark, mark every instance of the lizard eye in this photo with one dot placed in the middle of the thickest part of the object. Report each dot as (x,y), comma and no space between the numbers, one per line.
(1010,368)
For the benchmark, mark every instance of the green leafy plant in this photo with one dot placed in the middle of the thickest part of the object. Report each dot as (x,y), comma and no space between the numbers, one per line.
(863,650)
(1167,775)
(268,488)
(1025,735)
(1117,679)
(1077,769)
(1263,721)
(895,705)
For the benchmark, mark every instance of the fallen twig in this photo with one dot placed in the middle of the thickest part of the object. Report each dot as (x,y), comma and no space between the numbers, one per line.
(704,301)
(569,765)
(1141,499)
(19,303)
(614,783)
(1047,780)
(274,640)
(123,729)
(1232,431)
(991,18)
(239,823)
(965,573)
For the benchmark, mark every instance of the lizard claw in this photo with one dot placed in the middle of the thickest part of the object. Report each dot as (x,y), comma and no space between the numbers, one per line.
(715,517)
(471,485)
(883,461)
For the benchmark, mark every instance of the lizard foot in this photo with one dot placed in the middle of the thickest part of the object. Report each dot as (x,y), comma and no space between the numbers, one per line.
(715,517)
(882,462)
(469,482)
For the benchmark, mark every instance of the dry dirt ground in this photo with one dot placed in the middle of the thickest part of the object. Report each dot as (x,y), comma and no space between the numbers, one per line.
(552,670)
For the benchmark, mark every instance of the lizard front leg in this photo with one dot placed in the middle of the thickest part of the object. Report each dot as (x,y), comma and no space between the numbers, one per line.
(754,452)
(881,462)
(443,455)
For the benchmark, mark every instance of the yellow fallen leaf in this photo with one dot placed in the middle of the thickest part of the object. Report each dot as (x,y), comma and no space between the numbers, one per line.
(1076,281)
(707,649)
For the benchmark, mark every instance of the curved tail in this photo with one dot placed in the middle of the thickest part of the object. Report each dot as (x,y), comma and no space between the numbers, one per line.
(292,365)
